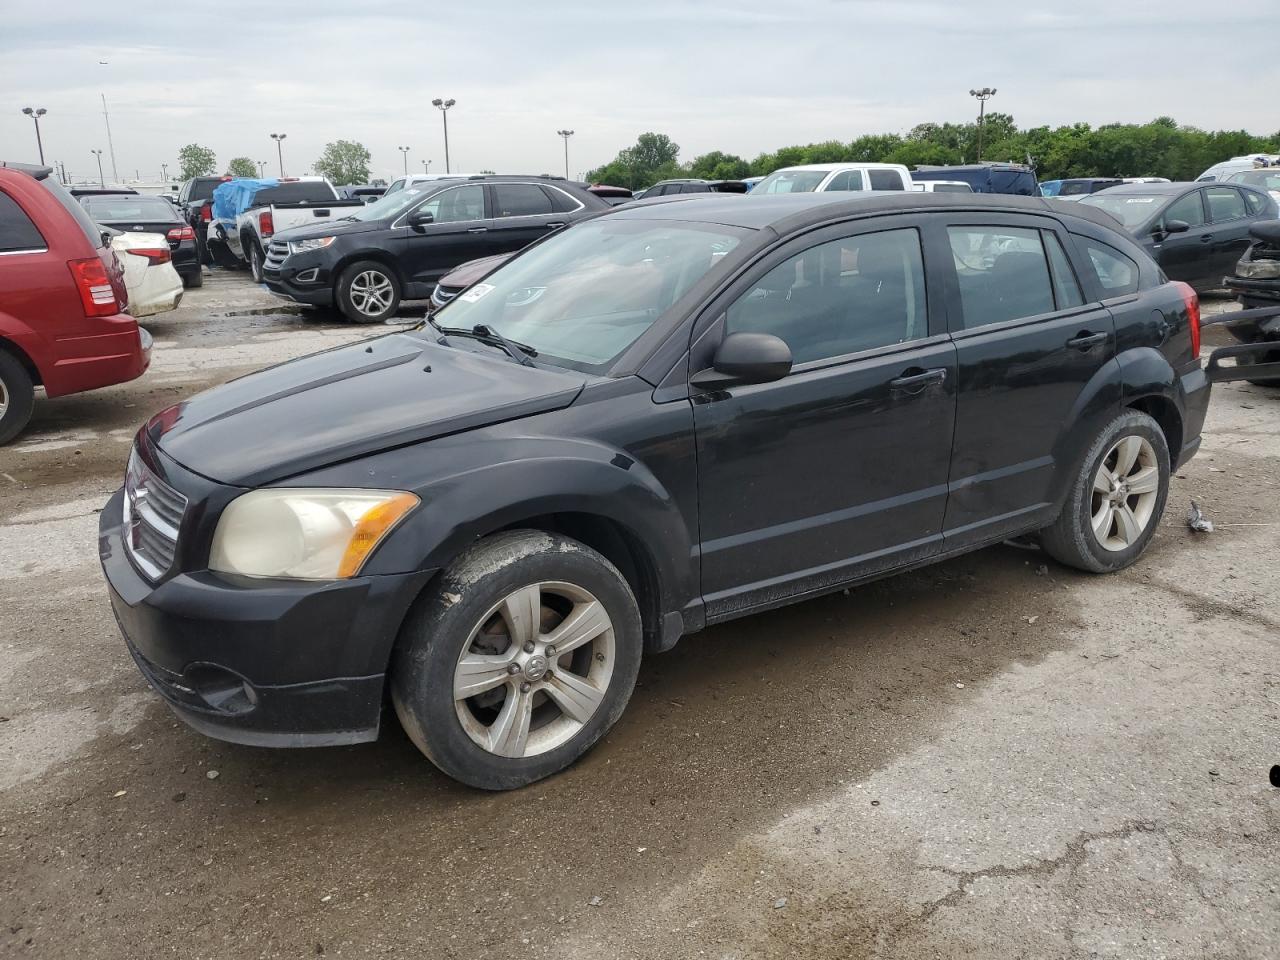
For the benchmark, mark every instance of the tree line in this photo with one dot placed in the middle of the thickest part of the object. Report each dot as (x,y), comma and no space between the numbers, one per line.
(341,162)
(1160,148)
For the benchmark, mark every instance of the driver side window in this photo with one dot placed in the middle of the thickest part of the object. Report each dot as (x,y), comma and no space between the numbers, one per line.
(1189,209)
(456,205)
(841,297)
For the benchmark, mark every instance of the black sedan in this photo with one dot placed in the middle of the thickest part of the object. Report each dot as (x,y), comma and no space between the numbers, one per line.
(397,247)
(150,215)
(1195,231)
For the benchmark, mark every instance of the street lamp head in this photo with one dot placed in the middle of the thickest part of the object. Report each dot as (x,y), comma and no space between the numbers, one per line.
(41,112)
(28,111)
(437,102)
(450,103)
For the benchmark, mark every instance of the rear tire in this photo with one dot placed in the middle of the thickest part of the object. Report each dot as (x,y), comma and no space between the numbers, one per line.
(195,279)
(255,261)
(491,622)
(1115,502)
(17,396)
(368,292)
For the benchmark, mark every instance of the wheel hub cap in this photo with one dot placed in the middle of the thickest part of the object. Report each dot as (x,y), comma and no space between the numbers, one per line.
(535,668)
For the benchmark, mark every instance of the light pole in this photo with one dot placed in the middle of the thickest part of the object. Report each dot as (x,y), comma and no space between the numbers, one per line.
(101,180)
(111,147)
(983,95)
(35,113)
(426,166)
(443,106)
(566,134)
(404,152)
(279,139)
(164,172)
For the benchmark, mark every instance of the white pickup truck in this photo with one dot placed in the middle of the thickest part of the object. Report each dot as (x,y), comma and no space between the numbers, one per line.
(251,212)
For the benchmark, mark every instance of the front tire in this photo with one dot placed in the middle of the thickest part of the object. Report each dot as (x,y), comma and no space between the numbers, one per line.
(17,397)
(517,660)
(368,292)
(1116,500)
(255,261)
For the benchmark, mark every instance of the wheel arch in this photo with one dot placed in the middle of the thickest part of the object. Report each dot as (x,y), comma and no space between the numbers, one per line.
(1151,386)
(18,353)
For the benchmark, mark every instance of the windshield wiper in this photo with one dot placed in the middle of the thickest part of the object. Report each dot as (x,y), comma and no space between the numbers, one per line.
(519,352)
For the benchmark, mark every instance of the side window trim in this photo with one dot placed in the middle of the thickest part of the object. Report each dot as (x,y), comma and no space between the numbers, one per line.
(403,218)
(1047,236)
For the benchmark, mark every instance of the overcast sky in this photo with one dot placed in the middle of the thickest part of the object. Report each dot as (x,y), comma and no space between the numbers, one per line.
(743,77)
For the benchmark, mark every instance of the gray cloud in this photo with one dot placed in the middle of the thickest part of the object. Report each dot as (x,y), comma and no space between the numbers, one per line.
(744,77)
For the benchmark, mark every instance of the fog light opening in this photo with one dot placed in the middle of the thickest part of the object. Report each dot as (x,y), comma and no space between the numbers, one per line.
(222,690)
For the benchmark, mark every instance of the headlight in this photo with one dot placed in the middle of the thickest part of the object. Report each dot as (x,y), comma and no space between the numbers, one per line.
(300,246)
(1258,269)
(305,534)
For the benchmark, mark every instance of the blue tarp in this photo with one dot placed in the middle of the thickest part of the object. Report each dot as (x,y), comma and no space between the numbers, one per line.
(234,197)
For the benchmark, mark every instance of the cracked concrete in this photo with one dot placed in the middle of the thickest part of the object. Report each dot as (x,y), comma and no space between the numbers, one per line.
(916,768)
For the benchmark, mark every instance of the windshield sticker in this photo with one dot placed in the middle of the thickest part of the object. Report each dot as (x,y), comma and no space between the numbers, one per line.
(476,292)
(1141,200)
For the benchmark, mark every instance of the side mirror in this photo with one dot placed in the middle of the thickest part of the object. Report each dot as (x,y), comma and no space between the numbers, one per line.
(422,218)
(1176,226)
(746,358)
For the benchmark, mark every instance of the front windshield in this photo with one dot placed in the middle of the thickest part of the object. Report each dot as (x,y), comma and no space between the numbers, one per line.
(1262,179)
(791,181)
(1131,209)
(393,204)
(585,295)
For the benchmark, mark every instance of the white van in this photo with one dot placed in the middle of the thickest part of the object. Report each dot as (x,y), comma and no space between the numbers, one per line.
(823,177)
(1251,161)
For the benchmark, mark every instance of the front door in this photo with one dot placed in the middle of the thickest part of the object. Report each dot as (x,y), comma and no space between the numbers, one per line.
(839,469)
(1028,344)
(458,233)
(1185,256)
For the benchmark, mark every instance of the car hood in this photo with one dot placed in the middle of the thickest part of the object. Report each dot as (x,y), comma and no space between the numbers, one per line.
(330,228)
(349,402)
(473,270)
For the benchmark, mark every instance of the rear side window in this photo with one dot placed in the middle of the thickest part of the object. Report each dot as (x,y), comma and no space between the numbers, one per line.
(203,189)
(1002,272)
(520,200)
(1066,289)
(17,232)
(1225,203)
(841,297)
(696,188)
(561,202)
(1117,273)
(91,230)
(1256,202)
(885,180)
(1188,209)
(845,180)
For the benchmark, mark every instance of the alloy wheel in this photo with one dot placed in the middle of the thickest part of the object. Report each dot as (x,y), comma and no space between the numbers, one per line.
(371,292)
(4,398)
(534,670)
(1125,490)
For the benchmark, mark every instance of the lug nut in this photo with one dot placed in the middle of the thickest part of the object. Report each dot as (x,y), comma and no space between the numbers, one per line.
(551,652)
(528,647)
(524,687)
(513,669)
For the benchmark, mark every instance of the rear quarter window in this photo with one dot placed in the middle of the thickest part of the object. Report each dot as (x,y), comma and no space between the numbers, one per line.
(1117,273)
(885,180)
(17,232)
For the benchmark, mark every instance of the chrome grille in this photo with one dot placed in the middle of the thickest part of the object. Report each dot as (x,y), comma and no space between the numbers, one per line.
(277,253)
(153,513)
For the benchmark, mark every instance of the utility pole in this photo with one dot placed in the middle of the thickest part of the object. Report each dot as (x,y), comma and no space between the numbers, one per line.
(35,113)
(443,106)
(983,95)
(404,153)
(566,134)
(101,180)
(164,172)
(279,139)
(111,147)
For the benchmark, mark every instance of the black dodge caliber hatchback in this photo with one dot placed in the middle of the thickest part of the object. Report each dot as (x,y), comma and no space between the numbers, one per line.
(665,417)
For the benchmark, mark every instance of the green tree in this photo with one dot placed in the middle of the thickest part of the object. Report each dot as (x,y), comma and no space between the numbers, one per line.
(242,167)
(653,158)
(342,162)
(196,161)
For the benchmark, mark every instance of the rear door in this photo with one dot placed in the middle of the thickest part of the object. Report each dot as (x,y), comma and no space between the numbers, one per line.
(838,470)
(1229,220)
(1028,344)
(522,212)
(458,233)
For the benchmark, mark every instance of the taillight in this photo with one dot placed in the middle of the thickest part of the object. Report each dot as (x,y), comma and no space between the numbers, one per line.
(206,212)
(181,233)
(266,225)
(96,293)
(1192,301)
(153,254)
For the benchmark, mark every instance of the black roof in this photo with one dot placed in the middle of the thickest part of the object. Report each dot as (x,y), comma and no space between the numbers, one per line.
(1149,188)
(788,212)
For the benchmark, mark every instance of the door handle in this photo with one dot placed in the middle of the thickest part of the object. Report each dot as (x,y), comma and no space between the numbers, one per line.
(555,226)
(914,380)
(478,230)
(1085,340)
(1206,237)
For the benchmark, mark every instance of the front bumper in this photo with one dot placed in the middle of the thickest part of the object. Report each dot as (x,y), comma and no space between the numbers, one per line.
(265,663)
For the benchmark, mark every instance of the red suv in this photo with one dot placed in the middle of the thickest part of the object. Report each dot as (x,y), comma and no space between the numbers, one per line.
(62,299)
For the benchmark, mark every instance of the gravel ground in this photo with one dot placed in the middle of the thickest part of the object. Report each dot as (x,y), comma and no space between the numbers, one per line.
(993,757)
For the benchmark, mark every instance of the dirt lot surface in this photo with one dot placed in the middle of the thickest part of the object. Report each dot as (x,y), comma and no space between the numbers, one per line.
(991,758)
